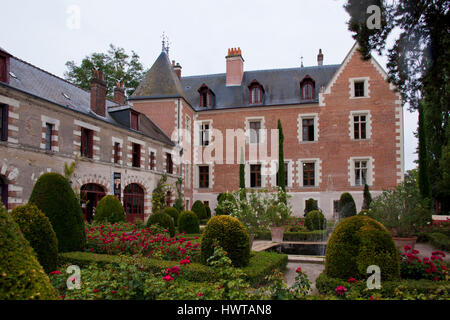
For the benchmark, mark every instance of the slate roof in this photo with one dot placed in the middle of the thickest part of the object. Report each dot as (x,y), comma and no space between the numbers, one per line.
(42,84)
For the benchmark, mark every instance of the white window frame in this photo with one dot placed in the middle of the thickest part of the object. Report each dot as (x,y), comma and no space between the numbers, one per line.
(262,131)
(305,116)
(54,137)
(199,132)
(317,172)
(366,87)
(370,176)
(368,124)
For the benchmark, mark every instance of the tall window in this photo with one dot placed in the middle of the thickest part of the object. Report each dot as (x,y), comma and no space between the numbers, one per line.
(4,192)
(3,122)
(169,163)
(203,176)
(308,174)
(307,88)
(136,155)
(204,134)
(87,143)
(359,89)
(152,160)
(134,120)
(133,202)
(285,175)
(308,129)
(256,92)
(255,175)
(48,136)
(359,126)
(116,152)
(207,97)
(360,172)
(255,127)
(335,208)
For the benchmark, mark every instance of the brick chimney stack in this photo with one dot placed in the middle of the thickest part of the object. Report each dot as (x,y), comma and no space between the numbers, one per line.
(320,58)
(235,67)
(98,93)
(177,68)
(119,93)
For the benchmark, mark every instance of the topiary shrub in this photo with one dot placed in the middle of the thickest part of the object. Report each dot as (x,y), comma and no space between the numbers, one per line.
(310,205)
(229,233)
(171,211)
(226,203)
(21,275)
(347,206)
(199,208)
(164,220)
(109,209)
(188,222)
(358,242)
(208,212)
(37,229)
(53,195)
(315,220)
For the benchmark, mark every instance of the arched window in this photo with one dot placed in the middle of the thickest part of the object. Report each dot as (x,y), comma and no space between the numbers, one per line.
(4,192)
(133,202)
(307,88)
(256,92)
(207,97)
(90,195)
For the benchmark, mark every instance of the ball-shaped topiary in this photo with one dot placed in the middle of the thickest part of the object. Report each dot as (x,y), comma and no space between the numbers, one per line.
(188,222)
(21,275)
(37,229)
(358,242)
(315,220)
(229,233)
(173,212)
(199,208)
(164,220)
(109,209)
(310,205)
(347,206)
(53,195)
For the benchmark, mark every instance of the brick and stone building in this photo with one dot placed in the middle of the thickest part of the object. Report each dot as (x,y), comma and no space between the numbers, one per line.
(343,127)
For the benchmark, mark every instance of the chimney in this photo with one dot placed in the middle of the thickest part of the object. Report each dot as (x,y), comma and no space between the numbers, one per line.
(119,94)
(320,58)
(98,93)
(177,68)
(235,67)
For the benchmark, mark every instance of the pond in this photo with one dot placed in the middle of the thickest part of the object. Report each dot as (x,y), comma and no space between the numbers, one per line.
(303,249)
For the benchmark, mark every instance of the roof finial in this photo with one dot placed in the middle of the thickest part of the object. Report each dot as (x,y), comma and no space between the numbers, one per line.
(165,43)
(301,59)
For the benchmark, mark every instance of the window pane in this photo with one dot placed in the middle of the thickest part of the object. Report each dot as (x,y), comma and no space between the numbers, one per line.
(363,130)
(255,127)
(48,136)
(255,175)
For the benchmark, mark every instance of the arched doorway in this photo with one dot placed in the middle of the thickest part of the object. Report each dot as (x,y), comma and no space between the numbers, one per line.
(133,202)
(4,192)
(91,194)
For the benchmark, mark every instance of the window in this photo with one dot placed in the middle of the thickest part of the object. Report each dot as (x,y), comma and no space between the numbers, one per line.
(360,172)
(256,92)
(359,89)
(204,134)
(255,127)
(308,129)
(134,120)
(307,88)
(116,152)
(152,160)
(169,163)
(187,173)
(3,122)
(359,127)
(48,136)
(255,175)
(286,165)
(133,202)
(335,208)
(207,97)
(188,205)
(136,155)
(203,176)
(3,69)
(4,192)
(309,174)
(87,143)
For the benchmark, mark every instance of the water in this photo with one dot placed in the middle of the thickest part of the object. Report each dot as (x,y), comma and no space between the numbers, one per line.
(303,249)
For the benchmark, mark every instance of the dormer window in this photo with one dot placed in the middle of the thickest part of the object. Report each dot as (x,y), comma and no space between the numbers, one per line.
(134,120)
(256,92)
(4,64)
(207,97)
(307,88)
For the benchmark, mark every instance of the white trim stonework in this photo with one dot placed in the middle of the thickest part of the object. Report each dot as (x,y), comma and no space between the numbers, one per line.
(370,170)
(368,124)
(300,118)
(317,172)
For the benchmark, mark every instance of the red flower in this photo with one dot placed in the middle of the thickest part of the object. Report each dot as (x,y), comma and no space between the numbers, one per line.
(435,278)
(298,270)
(407,247)
(95,290)
(167,278)
(341,290)
(114,291)
(352,280)
(199,294)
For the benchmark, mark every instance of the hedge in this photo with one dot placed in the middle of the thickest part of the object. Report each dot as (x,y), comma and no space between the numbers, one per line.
(109,209)
(317,235)
(261,264)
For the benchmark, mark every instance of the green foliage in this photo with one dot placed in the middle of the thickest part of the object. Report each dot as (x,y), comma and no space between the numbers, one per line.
(116,65)
(310,205)
(315,220)
(347,206)
(317,235)
(242,171)
(424,179)
(21,275)
(208,212)
(109,209)
(358,242)
(231,235)
(438,240)
(367,198)
(174,213)
(199,208)
(278,211)
(164,220)
(188,222)
(178,204)
(37,229)
(261,264)
(226,203)
(159,195)
(281,174)
(53,195)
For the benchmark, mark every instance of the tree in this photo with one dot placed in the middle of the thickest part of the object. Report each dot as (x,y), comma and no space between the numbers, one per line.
(159,195)
(281,174)
(424,182)
(116,65)
(367,198)
(242,171)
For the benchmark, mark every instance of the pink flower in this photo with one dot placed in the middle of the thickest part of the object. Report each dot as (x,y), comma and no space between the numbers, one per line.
(298,270)
(352,280)
(95,290)
(167,278)
(341,290)
(199,294)
(55,272)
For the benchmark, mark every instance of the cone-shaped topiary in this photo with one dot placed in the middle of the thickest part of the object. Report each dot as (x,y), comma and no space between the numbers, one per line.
(347,206)
(310,205)
(358,242)
(315,220)
(199,208)
(53,195)
(37,229)
(173,212)
(208,212)
(109,209)
(229,233)
(164,220)
(188,222)
(21,275)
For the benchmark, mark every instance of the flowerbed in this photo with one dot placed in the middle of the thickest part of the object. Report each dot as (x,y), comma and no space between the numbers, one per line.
(430,268)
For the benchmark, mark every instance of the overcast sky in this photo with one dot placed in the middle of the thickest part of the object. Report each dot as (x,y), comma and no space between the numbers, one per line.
(270,33)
